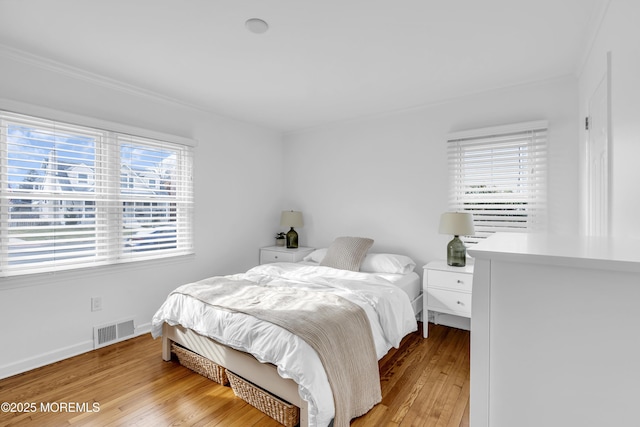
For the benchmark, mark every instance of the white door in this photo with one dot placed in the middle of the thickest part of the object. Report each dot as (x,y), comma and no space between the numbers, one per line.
(598,161)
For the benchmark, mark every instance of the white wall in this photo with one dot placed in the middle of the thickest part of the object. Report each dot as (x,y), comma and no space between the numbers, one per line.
(386,177)
(618,35)
(238,182)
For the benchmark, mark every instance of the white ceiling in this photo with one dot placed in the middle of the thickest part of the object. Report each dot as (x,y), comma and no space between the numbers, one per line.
(320,62)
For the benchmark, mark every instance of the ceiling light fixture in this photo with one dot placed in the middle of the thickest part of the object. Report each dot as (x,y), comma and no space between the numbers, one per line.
(256,26)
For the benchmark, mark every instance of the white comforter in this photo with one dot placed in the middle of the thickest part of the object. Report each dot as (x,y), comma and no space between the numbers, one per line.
(388,308)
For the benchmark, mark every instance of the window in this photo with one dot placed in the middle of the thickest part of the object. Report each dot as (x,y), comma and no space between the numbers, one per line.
(499,175)
(74,196)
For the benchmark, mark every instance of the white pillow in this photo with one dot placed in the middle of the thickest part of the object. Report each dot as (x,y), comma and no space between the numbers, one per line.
(316,256)
(387,263)
(373,263)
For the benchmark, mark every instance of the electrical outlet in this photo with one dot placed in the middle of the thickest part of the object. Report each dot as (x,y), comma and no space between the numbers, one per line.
(96,303)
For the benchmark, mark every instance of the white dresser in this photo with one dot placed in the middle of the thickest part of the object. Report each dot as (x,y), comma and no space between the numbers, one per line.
(447,290)
(554,336)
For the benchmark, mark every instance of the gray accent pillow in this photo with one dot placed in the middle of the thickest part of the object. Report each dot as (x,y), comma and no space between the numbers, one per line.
(347,253)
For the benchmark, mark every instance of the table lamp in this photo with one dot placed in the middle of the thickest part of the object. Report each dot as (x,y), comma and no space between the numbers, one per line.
(458,224)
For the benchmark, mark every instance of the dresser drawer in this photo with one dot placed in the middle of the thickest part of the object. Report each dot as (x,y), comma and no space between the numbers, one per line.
(450,280)
(449,302)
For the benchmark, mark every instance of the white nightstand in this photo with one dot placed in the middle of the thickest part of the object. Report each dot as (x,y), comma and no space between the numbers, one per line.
(447,290)
(282,254)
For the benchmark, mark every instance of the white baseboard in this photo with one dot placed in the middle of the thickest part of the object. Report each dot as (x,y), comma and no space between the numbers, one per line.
(30,363)
(145,328)
(451,320)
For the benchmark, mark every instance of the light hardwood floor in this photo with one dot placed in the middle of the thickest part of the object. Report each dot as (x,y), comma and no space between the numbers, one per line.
(424,383)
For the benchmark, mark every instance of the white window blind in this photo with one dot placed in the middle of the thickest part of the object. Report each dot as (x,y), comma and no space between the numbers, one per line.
(500,176)
(74,196)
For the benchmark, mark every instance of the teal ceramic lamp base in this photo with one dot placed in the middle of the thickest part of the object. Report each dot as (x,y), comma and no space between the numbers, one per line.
(456,253)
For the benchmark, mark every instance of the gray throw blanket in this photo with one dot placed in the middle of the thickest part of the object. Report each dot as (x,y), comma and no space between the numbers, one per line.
(337,329)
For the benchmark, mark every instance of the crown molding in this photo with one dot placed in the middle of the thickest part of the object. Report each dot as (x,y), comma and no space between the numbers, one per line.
(80,74)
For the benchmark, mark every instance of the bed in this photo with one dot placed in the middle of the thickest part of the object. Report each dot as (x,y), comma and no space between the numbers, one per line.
(384,287)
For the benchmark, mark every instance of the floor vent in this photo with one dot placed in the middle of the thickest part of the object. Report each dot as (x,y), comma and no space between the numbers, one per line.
(112,333)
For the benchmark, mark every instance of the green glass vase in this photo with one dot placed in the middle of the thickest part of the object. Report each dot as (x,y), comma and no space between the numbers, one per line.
(456,253)
(292,239)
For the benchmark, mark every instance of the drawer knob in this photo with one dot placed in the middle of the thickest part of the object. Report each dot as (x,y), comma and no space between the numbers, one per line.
(460,281)
(460,303)
(276,257)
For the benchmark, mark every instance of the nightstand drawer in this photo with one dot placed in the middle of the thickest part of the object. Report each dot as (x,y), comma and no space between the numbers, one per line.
(450,280)
(280,254)
(449,301)
(271,256)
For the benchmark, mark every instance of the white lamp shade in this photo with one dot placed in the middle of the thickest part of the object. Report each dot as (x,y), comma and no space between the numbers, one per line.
(457,223)
(291,219)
